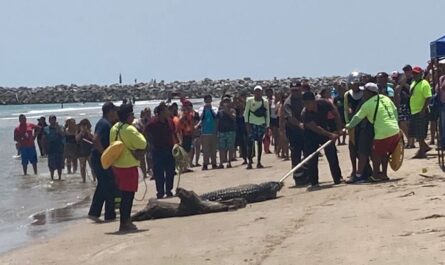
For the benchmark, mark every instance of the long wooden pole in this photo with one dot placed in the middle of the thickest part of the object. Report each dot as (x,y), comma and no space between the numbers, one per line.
(305,160)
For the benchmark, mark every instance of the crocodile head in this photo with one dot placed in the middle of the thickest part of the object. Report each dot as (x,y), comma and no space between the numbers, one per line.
(272,185)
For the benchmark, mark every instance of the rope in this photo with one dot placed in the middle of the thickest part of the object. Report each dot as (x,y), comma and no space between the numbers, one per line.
(145,192)
(181,160)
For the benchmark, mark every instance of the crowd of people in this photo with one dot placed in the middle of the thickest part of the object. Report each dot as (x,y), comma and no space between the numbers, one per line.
(377,112)
(70,145)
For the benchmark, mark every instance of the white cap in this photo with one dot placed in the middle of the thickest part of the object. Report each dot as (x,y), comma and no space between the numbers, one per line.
(258,88)
(370,87)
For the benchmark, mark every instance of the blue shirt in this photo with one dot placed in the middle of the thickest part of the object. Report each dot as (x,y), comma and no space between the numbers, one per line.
(387,91)
(390,92)
(55,140)
(208,124)
(102,130)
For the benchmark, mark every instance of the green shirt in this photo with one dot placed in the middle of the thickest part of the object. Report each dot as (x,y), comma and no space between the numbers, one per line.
(386,122)
(132,140)
(419,94)
(251,106)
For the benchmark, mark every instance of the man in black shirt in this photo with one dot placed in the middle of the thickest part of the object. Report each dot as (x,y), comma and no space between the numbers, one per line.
(316,133)
(106,187)
(359,137)
(293,106)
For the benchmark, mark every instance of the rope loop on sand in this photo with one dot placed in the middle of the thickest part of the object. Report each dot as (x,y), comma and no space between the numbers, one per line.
(181,160)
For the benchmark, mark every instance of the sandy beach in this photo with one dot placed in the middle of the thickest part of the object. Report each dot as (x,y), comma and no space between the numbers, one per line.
(396,222)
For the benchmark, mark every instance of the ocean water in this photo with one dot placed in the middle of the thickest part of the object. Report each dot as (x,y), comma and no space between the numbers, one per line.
(33,206)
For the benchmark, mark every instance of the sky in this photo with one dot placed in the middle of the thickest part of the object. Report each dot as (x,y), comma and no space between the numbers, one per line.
(50,42)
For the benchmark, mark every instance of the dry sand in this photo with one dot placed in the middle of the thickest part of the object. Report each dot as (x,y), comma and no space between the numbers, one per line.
(397,222)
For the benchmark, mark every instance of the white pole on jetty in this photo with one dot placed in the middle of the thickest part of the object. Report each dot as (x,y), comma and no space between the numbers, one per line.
(307,159)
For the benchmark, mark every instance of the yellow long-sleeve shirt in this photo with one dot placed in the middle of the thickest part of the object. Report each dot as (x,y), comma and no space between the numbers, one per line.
(132,139)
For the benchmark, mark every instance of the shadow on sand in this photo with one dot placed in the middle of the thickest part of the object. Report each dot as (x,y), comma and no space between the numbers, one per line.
(118,233)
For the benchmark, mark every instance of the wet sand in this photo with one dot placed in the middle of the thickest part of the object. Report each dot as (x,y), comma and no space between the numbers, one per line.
(396,222)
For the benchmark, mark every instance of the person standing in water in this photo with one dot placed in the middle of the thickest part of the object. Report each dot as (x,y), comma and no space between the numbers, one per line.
(71,147)
(84,139)
(24,136)
(42,146)
(54,138)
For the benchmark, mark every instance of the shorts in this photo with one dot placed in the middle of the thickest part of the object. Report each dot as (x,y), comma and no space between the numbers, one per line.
(240,138)
(187,142)
(433,114)
(386,146)
(71,151)
(257,132)
(56,161)
(274,123)
(418,126)
(28,155)
(404,113)
(126,178)
(342,115)
(364,135)
(226,140)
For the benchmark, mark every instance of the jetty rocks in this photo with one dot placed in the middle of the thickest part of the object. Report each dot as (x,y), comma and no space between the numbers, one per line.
(151,90)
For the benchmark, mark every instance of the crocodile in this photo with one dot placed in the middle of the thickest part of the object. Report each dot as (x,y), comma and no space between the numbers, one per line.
(250,192)
(216,201)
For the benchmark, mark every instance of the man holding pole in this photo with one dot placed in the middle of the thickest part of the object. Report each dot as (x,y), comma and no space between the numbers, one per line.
(316,133)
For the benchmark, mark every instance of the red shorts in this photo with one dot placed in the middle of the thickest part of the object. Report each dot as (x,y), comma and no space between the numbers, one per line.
(386,146)
(126,178)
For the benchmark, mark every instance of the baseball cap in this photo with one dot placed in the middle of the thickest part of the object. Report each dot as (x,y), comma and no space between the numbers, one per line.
(226,97)
(124,111)
(370,87)
(407,67)
(381,74)
(417,70)
(108,106)
(258,88)
(295,84)
(308,96)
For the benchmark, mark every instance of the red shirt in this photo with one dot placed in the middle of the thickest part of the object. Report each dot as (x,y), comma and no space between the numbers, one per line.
(161,134)
(24,135)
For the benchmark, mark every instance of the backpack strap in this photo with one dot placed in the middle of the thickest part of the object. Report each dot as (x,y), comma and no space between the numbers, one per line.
(118,131)
(204,111)
(262,106)
(376,108)
(415,84)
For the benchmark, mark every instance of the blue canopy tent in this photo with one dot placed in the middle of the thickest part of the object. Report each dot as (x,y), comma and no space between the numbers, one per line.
(437,48)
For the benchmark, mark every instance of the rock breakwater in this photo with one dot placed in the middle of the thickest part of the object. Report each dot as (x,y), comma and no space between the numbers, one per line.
(149,91)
